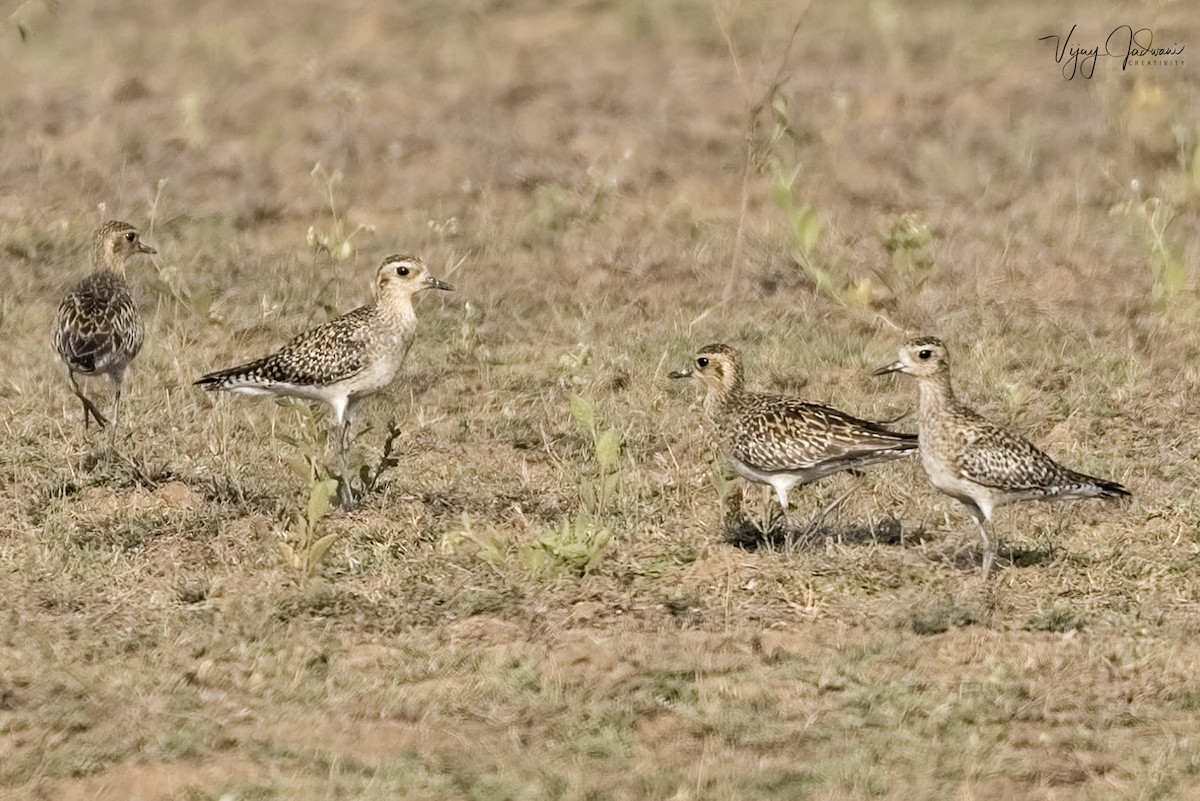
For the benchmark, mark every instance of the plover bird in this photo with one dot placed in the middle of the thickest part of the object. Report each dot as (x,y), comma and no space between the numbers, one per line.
(977,462)
(98,329)
(780,441)
(346,359)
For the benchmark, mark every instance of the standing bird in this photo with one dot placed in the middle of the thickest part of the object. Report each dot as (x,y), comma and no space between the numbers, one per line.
(98,329)
(977,462)
(346,359)
(781,441)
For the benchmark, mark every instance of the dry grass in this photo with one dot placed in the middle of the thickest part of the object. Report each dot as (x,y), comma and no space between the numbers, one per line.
(578,169)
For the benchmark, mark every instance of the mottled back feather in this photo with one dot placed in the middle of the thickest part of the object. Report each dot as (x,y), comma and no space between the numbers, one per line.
(98,327)
(334,351)
(777,433)
(994,457)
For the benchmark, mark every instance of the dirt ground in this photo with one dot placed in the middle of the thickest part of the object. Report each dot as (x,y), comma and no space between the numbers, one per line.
(507,616)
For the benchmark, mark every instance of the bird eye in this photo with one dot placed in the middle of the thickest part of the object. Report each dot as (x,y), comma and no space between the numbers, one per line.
(130,236)
(925,354)
(401,271)
(702,362)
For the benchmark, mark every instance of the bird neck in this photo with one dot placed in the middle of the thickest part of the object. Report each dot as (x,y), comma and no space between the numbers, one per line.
(105,259)
(721,395)
(395,307)
(936,394)
(115,265)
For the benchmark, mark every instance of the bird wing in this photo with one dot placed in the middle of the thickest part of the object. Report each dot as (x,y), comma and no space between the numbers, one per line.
(779,433)
(1001,460)
(98,324)
(331,352)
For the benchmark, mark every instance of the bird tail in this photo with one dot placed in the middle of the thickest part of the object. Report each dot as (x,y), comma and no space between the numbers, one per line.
(896,440)
(1093,487)
(233,378)
(1111,489)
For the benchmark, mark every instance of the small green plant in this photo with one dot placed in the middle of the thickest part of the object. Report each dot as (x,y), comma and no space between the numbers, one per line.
(490,548)
(336,241)
(596,492)
(909,244)
(308,461)
(804,225)
(303,547)
(1059,619)
(1153,218)
(576,545)
(365,479)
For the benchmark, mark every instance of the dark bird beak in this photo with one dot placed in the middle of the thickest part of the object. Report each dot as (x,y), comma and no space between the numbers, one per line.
(437,283)
(142,247)
(684,373)
(894,367)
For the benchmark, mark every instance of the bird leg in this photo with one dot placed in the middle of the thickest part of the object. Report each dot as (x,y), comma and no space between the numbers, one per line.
(345,495)
(89,408)
(764,512)
(118,381)
(989,546)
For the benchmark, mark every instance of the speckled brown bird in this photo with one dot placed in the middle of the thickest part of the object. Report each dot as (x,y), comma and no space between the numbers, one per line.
(975,461)
(782,441)
(346,359)
(98,329)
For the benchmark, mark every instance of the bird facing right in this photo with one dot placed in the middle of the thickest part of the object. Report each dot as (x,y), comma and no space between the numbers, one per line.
(98,329)
(975,461)
(346,359)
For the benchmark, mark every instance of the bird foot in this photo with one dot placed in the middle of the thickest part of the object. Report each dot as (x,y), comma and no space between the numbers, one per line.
(90,412)
(345,495)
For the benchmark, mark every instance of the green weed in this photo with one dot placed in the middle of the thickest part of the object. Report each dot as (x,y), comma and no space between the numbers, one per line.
(490,548)
(1153,219)
(303,547)
(1058,619)
(365,480)
(308,460)
(597,491)
(804,227)
(577,545)
(909,244)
